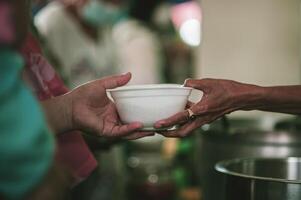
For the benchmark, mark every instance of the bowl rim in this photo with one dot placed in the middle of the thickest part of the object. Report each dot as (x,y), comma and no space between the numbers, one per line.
(149,87)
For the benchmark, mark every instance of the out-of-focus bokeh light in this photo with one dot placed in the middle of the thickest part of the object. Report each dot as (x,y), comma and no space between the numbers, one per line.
(187,18)
(190,32)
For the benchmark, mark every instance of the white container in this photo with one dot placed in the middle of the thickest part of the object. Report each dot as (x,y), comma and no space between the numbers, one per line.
(149,103)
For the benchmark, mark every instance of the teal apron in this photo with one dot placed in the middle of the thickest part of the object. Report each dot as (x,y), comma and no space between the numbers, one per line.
(26,144)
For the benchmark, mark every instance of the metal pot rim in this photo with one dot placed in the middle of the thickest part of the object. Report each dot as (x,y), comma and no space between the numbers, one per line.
(221,167)
(277,138)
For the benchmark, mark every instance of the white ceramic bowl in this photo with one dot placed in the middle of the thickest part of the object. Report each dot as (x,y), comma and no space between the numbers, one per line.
(149,103)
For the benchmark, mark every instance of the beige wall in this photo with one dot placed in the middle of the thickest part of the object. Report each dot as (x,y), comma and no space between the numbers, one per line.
(255,41)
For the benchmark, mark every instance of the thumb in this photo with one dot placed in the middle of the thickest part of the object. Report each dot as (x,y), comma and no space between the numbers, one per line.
(192,83)
(116,81)
(196,83)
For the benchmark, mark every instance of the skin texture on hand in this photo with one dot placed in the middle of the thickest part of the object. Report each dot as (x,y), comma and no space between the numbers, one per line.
(225,96)
(220,97)
(87,108)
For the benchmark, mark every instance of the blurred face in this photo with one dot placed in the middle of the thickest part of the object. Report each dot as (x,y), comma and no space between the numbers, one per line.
(7,31)
(75,3)
(101,12)
(14,19)
(115,2)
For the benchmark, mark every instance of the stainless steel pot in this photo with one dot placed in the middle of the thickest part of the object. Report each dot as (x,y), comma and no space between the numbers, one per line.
(218,144)
(261,179)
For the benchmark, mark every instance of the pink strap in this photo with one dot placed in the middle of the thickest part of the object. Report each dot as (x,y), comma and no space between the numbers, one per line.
(7,30)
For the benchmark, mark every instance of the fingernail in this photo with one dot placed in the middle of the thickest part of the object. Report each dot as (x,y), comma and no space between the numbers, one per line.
(186,81)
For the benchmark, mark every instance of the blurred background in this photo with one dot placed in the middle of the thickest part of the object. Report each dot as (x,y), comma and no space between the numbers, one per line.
(167,41)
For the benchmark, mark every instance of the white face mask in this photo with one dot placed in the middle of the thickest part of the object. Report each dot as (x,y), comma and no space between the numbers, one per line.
(97,13)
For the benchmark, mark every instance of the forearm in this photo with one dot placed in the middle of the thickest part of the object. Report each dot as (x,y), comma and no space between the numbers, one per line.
(58,113)
(283,99)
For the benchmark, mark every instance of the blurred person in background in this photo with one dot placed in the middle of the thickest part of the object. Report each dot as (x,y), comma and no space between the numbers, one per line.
(137,44)
(93,38)
(37,5)
(49,88)
(78,36)
(27,166)
(72,111)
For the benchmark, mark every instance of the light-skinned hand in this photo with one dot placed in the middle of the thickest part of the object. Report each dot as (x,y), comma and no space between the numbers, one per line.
(87,108)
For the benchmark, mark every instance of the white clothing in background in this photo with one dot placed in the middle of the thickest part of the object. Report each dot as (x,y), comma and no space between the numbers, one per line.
(139,52)
(81,58)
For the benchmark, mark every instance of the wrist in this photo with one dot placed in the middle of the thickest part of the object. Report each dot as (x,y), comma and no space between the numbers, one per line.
(59,113)
(251,97)
(67,113)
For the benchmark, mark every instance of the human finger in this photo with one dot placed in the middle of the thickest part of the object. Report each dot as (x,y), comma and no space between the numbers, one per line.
(138,135)
(189,104)
(183,131)
(116,81)
(123,130)
(187,128)
(200,84)
(175,119)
